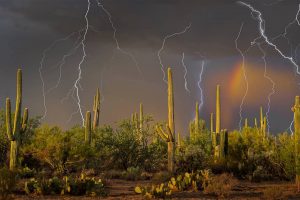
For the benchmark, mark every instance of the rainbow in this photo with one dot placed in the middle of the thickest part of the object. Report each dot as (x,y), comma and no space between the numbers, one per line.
(236,80)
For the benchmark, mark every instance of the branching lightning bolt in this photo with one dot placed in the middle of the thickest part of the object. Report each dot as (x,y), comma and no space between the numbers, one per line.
(266,39)
(271,81)
(130,55)
(244,74)
(44,93)
(82,42)
(185,73)
(163,45)
(199,84)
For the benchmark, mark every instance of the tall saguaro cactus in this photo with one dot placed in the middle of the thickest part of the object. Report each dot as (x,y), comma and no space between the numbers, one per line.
(296,110)
(19,125)
(169,134)
(96,109)
(218,110)
(88,128)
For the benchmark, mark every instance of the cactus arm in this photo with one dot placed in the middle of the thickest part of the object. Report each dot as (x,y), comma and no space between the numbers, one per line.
(8,120)
(169,133)
(161,133)
(25,120)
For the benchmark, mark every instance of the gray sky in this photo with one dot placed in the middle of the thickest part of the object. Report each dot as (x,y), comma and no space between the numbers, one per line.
(28,27)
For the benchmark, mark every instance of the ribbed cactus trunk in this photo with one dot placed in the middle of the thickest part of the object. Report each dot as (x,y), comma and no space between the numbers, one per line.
(296,110)
(19,125)
(197,127)
(246,123)
(218,110)
(171,143)
(96,109)
(141,123)
(88,128)
(211,122)
(261,119)
(255,122)
(217,135)
(169,134)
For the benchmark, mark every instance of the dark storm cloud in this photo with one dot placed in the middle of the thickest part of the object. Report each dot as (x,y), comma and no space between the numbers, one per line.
(29,26)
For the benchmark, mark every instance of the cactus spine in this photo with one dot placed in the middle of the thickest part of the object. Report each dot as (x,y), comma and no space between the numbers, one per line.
(19,126)
(96,109)
(296,110)
(88,128)
(169,134)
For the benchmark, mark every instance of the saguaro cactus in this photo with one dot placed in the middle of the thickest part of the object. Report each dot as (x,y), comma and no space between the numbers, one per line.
(96,109)
(296,110)
(261,119)
(141,122)
(19,126)
(246,123)
(218,110)
(169,134)
(211,122)
(88,128)
(224,143)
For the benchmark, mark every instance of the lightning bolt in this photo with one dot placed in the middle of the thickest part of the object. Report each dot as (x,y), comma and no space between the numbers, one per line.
(44,93)
(244,74)
(82,42)
(185,73)
(199,84)
(163,45)
(130,55)
(261,28)
(271,81)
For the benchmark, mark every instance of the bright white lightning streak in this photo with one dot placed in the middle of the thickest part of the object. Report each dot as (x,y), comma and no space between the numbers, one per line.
(271,81)
(42,66)
(163,45)
(82,42)
(115,37)
(185,73)
(263,35)
(266,39)
(199,84)
(244,74)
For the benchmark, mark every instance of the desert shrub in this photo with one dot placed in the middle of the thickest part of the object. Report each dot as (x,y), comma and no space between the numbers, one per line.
(68,185)
(221,185)
(7,182)
(191,158)
(132,173)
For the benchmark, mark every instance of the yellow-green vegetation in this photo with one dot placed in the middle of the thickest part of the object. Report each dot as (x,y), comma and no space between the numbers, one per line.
(51,159)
